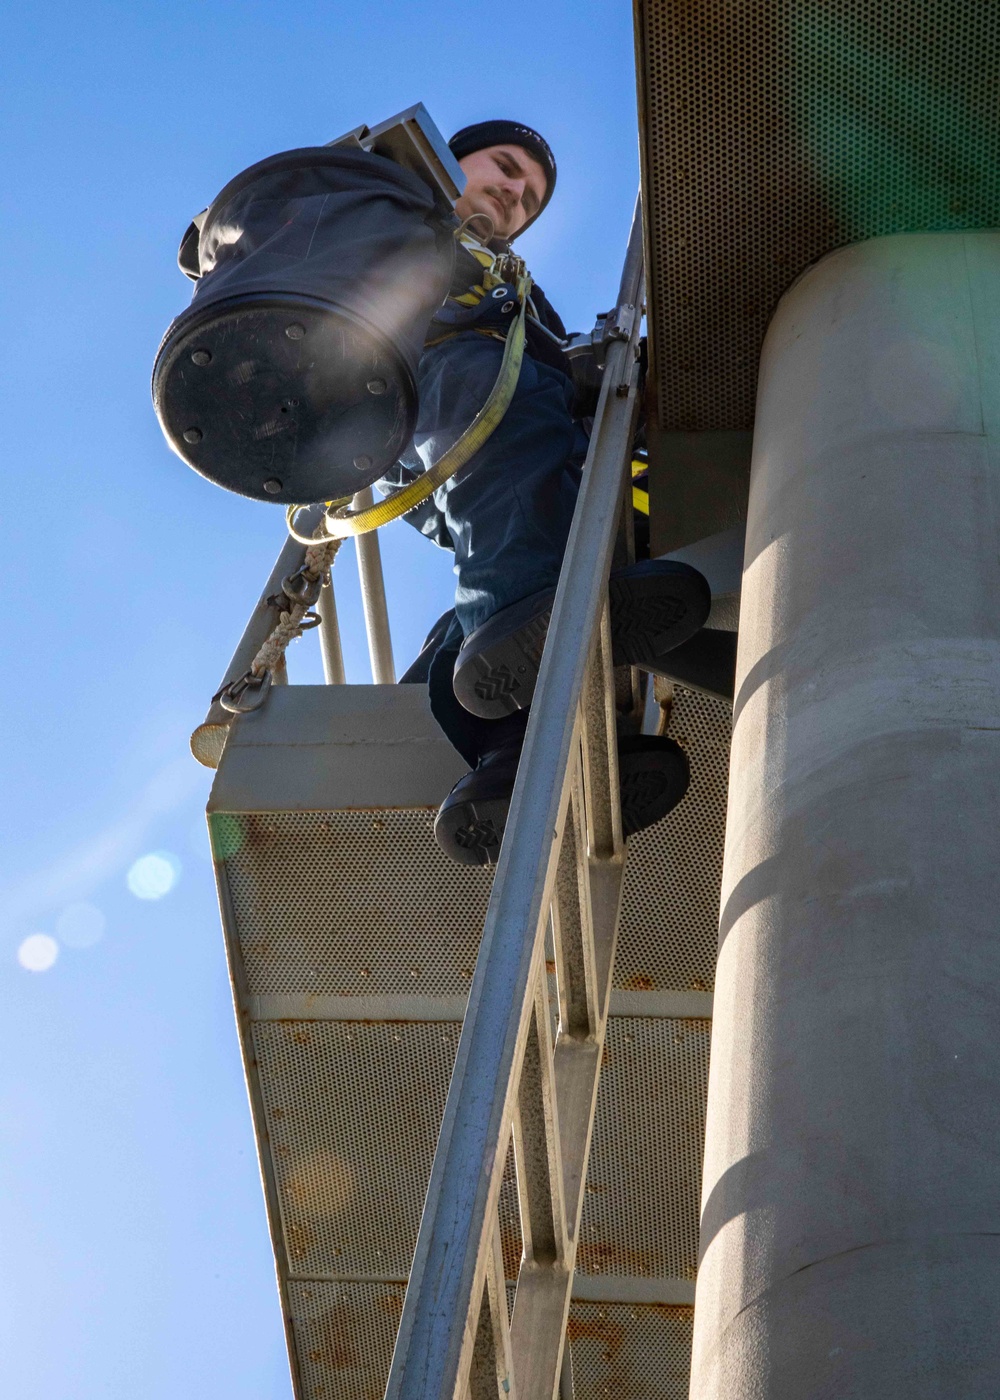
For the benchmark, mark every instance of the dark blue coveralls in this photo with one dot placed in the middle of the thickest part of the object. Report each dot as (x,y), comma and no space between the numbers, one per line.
(507,513)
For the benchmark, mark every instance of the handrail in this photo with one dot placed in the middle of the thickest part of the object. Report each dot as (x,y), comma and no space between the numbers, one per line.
(373,598)
(209,739)
(561,865)
(329,636)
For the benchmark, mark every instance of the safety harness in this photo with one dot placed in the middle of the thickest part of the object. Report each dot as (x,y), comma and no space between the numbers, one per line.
(640,485)
(505,275)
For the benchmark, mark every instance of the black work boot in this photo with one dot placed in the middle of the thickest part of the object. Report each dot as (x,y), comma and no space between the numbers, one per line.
(653,772)
(655,606)
(470,821)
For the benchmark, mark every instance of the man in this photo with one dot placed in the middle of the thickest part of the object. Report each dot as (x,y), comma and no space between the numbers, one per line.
(507,513)
(506,182)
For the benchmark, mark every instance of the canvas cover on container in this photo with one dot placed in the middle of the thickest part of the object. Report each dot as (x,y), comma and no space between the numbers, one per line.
(291,376)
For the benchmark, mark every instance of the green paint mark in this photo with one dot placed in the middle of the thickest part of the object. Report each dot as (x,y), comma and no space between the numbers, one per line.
(226,834)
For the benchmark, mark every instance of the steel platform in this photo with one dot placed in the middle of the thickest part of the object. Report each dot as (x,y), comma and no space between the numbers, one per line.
(351,942)
(771,133)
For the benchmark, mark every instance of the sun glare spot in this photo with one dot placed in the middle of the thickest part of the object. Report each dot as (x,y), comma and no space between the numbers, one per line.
(153,875)
(81,925)
(38,952)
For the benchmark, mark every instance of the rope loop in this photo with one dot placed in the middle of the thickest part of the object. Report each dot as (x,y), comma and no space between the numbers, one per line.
(299,592)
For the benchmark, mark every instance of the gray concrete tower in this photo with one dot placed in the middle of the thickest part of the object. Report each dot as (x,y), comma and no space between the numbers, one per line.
(851,1207)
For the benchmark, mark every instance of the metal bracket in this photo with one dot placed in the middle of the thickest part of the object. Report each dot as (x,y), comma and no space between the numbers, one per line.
(412,139)
(588,352)
(618,324)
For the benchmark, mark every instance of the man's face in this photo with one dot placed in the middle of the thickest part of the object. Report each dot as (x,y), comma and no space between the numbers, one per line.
(505,183)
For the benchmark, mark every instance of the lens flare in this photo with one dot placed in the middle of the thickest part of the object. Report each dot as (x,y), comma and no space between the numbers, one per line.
(154,875)
(81,925)
(38,952)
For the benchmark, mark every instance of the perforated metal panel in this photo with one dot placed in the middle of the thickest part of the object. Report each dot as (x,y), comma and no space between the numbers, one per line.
(329,915)
(344,1335)
(777,130)
(511,1239)
(351,903)
(670,903)
(353,1111)
(640,1213)
(623,1352)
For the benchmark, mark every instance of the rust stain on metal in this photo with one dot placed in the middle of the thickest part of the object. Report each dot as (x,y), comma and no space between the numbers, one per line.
(300,1240)
(640,982)
(599,1257)
(258,827)
(512,1248)
(335,1332)
(595,1328)
(391,1302)
(672,1312)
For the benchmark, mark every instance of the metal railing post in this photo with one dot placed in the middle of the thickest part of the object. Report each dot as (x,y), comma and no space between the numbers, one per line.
(373,598)
(329,637)
(209,739)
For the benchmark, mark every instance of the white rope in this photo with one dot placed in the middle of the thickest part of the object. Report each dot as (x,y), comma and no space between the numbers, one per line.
(318,561)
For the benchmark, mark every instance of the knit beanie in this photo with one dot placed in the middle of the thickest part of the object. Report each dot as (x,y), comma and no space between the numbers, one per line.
(500,133)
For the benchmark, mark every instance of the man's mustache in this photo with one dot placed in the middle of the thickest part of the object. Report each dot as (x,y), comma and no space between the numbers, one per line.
(505,203)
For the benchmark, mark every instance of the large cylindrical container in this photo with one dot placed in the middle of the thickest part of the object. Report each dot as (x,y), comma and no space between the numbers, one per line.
(291,376)
(851,1209)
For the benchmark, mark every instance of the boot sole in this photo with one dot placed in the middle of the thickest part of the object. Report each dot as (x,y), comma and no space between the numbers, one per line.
(499,678)
(647,622)
(653,780)
(471,832)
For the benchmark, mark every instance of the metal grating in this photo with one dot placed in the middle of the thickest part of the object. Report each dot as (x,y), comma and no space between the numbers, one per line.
(776,131)
(668,934)
(630,1352)
(361,903)
(344,1335)
(351,903)
(353,1111)
(640,1212)
(511,1239)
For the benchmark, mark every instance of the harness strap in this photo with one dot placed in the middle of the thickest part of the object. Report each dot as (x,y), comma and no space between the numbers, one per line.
(640,493)
(340,521)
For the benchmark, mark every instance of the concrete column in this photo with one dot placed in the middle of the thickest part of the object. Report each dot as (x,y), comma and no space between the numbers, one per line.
(851,1208)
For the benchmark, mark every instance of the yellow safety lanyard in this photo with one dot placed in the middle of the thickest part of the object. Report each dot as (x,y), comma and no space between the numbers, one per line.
(640,494)
(340,521)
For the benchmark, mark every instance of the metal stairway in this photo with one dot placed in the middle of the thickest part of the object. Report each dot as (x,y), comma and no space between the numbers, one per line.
(368,971)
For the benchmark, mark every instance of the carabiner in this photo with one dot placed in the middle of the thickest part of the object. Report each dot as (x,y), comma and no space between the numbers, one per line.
(248,693)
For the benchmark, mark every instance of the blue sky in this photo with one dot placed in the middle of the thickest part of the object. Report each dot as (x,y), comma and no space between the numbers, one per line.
(134,1260)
